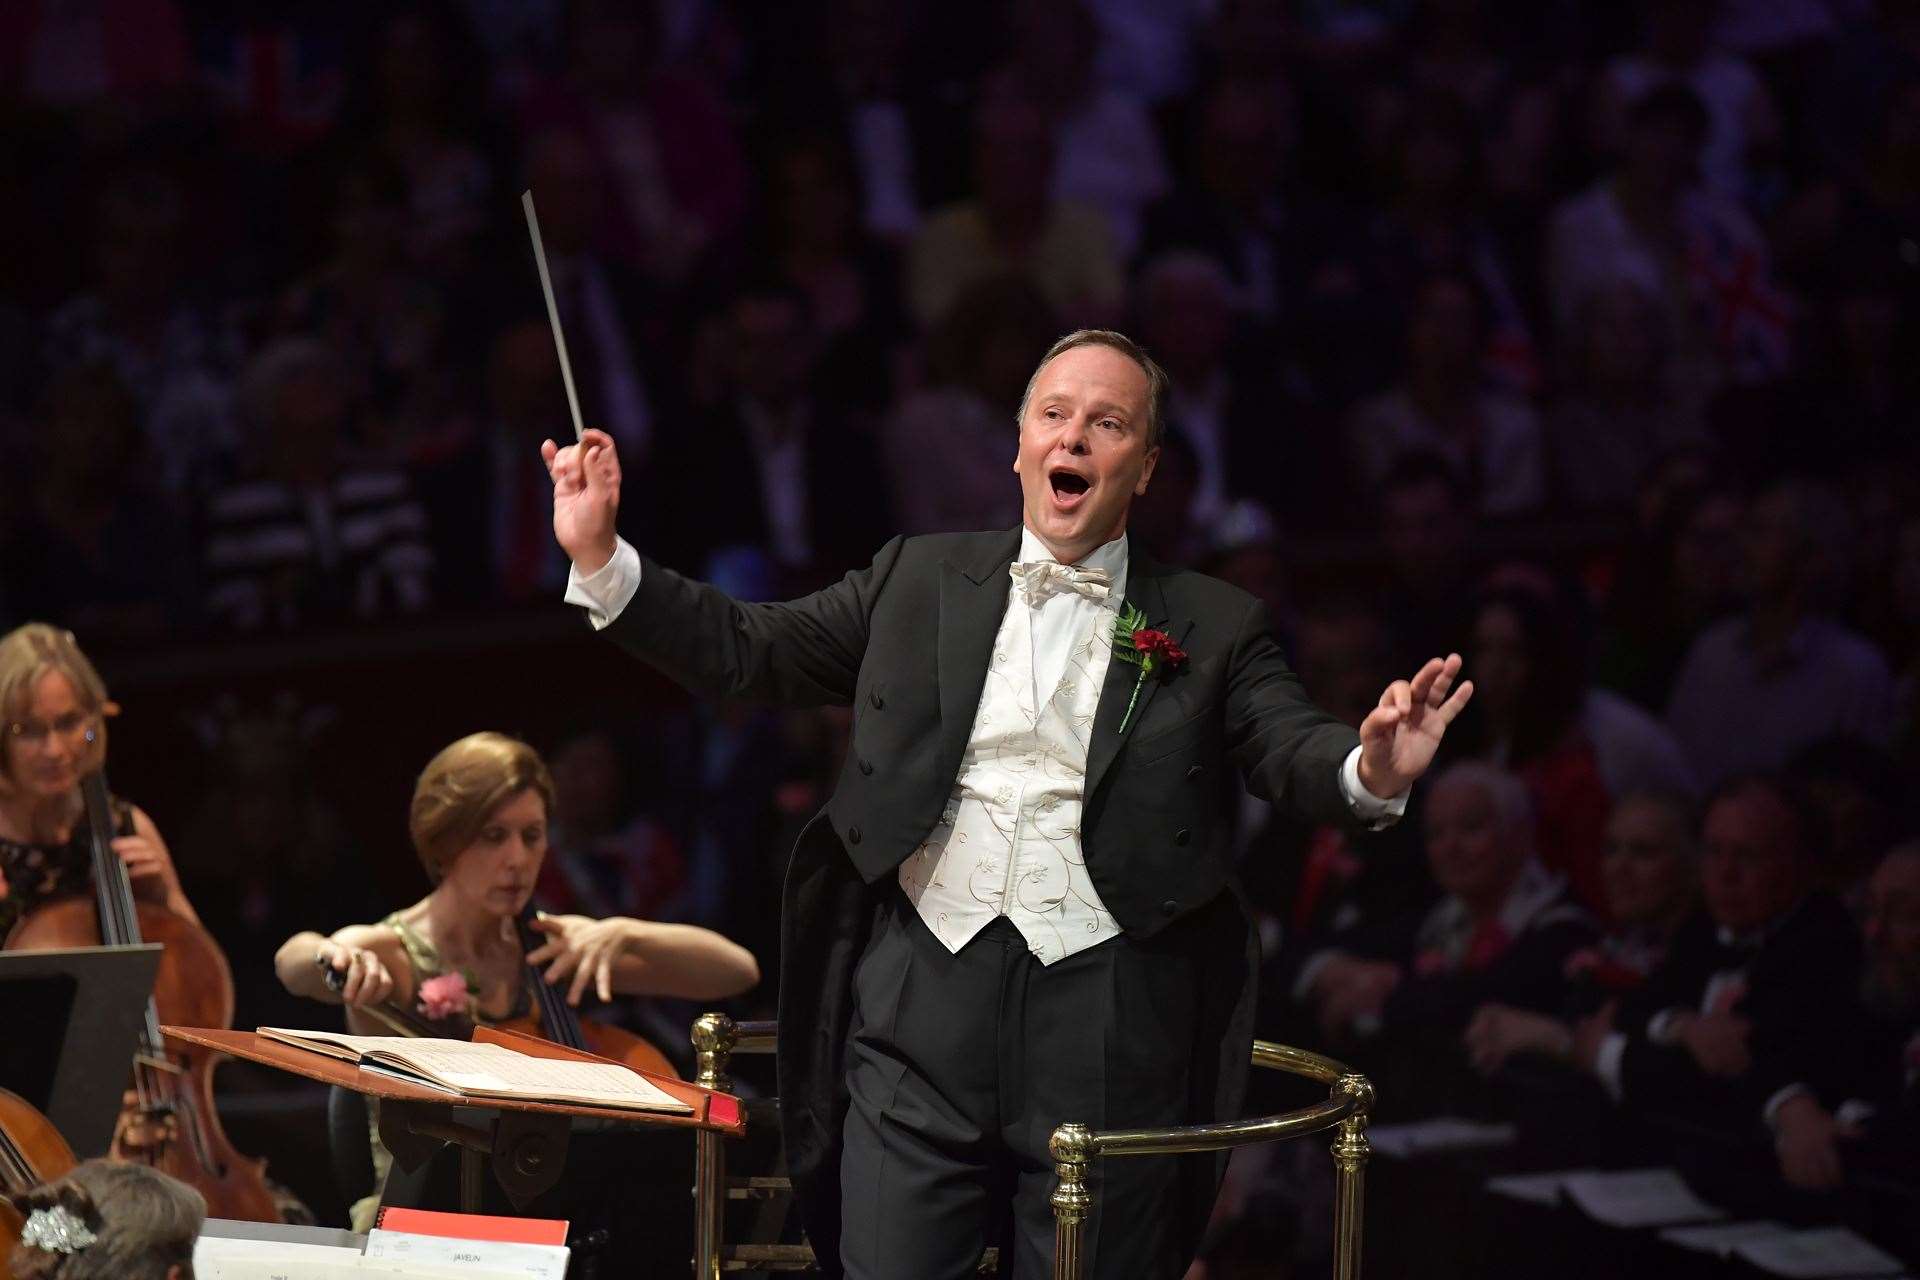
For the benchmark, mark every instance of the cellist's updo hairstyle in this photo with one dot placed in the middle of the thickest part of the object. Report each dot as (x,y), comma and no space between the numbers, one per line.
(462,786)
(128,1222)
(31,651)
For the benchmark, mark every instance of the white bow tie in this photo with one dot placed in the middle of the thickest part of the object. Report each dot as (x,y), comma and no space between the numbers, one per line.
(1038,579)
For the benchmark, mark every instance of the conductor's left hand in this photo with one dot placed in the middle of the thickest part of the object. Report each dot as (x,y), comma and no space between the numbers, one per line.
(1398,737)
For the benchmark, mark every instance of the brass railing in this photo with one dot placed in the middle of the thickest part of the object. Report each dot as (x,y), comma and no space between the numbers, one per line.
(716,1038)
(1349,1102)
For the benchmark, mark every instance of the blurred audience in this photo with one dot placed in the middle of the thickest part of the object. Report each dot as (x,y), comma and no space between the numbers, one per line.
(1444,407)
(1755,689)
(1016,224)
(311,535)
(1502,932)
(1573,337)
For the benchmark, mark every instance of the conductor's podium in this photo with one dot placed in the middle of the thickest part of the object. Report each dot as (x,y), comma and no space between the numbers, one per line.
(717,1038)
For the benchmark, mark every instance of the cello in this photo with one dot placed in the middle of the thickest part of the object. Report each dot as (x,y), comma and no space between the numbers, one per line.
(169,1121)
(553,1018)
(31,1152)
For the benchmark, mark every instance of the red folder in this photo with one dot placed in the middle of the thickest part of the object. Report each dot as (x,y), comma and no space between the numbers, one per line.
(473,1226)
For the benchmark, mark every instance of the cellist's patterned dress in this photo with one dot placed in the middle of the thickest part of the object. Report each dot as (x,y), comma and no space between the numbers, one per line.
(31,873)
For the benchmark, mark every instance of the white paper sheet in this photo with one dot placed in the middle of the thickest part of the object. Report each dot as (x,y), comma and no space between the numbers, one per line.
(535,1261)
(1722,1238)
(1639,1198)
(1534,1188)
(343,1266)
(1442,1133)
(1813,1255)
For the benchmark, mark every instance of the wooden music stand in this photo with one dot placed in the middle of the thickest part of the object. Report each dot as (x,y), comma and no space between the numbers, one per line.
(524,1142)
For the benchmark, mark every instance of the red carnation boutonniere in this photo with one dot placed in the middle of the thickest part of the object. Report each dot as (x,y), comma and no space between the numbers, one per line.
(1149,649)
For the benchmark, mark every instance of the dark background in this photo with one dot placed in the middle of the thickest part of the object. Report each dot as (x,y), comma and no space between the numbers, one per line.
(1611,306)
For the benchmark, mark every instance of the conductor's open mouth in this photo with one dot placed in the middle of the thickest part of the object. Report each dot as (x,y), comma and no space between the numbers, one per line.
(1067,484)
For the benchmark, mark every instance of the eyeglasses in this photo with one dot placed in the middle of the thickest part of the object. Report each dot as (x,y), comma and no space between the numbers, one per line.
(34,733)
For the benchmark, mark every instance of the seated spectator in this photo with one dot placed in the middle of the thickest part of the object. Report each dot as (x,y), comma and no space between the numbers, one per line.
(658,139)
(1650,223)
(810,237)
(1875,1130)
(1015,224)
(1752,1016)
(490,506)
(1858,794)
(1232,209)
(604,859)
(1107,153)
(1576,747)
(1424,522)
(1225,401)
(1678,48)
(1444,407)
(1614,417)
(1880,1124)
(1679,574)
(367,302)
(95,545)
(1323,883)
(1651,873)
(947,444)
(774,461)
(608,312)
(1755,689)
(168,346)
(313,535)
(108,1221)
(418,105)
(1502,933)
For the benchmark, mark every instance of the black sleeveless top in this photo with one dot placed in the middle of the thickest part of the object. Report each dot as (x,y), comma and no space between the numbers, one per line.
(36,873)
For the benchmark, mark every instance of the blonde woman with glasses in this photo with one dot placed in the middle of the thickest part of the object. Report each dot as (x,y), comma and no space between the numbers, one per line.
(53,733)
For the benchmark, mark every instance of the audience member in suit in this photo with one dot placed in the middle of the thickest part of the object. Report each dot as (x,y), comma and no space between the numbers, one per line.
(1229,401)
(1877,1128)
(1650,869)
(1424,522)
(1502,933)
(489,498)
(605,305)
(775,464)
(1752,1018)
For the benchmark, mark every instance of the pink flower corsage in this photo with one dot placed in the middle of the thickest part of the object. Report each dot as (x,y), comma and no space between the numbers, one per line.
(446,996)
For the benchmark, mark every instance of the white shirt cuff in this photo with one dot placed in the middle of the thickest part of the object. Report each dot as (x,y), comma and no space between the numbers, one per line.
(1607,1062)
(1366,806)
(1661,1028)
(608,590)
(1853,1113)
(1770,1110)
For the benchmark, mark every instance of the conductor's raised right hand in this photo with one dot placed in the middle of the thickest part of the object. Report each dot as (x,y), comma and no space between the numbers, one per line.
(586,496)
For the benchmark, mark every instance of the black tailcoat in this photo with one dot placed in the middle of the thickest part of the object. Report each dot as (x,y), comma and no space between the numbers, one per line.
(906,642)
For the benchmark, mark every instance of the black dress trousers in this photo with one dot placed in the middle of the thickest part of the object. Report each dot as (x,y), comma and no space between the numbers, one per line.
(959,1067)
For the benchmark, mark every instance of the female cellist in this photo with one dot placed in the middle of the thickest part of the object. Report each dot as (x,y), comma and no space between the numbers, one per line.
(53,710)
(79,867)
(479,825)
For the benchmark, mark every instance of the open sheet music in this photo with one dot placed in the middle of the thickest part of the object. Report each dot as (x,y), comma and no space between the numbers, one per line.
(487,1070)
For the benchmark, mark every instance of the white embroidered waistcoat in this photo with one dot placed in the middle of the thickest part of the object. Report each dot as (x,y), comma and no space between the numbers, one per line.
(1008,842)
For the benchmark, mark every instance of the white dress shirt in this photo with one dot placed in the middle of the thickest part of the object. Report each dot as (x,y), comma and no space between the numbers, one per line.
(1038,647)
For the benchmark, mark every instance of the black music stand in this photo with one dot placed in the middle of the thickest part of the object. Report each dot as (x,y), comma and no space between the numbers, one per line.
(80,1012)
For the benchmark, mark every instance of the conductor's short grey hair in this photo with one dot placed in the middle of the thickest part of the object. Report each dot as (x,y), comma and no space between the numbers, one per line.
(1156,376)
